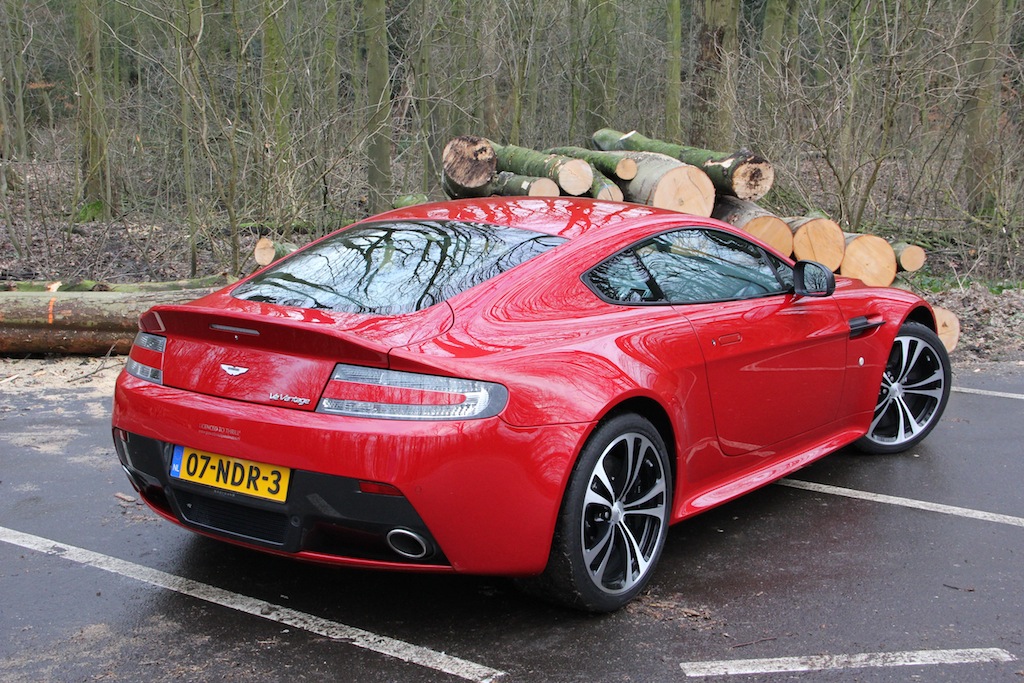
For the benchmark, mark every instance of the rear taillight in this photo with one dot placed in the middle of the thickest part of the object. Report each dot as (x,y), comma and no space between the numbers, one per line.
(146,359)
(372,392)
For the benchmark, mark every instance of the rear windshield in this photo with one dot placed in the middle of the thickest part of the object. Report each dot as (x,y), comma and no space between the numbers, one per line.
(392,268)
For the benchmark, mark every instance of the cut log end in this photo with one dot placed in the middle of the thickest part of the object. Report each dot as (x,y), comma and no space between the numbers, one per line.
(575,176)
(625,169)
(752,179)
(469,161)
(948,327)
(686,189)
(818,239)
(773,231)
(870,259)
(543,187)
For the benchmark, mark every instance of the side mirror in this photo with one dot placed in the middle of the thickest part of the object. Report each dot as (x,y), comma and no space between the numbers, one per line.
(810,278)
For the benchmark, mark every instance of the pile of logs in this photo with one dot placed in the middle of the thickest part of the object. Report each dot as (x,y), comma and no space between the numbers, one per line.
(634,168)
(631,167)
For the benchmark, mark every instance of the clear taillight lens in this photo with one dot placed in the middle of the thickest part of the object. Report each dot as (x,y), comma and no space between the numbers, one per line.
(372,392)
(146,358)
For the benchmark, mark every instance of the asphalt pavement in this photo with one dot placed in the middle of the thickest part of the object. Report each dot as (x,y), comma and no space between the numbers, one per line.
(857,568)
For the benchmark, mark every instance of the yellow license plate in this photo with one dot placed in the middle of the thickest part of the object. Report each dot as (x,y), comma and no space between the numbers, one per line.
(231,474)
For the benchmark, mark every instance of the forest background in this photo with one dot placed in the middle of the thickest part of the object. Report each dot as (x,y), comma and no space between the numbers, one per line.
(149,140)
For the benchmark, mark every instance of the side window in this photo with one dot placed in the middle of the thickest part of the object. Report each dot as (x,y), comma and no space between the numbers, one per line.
(624,278)
(701,265)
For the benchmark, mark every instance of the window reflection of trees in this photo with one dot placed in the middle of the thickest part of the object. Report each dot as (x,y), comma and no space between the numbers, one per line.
(691,266)
(396,267)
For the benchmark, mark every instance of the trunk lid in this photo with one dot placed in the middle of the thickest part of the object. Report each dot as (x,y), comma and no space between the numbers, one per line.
(272,355)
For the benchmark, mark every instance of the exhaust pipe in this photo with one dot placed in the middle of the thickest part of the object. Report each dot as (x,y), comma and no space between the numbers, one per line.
(408,544)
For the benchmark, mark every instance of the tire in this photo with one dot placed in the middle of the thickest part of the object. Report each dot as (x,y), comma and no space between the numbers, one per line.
(914,392)
(613,521)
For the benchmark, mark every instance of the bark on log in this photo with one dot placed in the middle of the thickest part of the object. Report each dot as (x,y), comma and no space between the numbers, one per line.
(267,250)
(759,222)
(574,176)
(909,257)
(613,164)
(100,286)
(948,327)
(468,163)
(817,239)
(507,184)
(668,183)
(870,259)
(604,187)
(512,184)
(87,323)
(741,174)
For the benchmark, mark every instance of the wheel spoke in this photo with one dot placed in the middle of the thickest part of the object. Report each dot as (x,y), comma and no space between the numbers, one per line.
(633,556)
(908,425)
(910,352)
(934,378)
(637,505)
(635,447)
(591,553)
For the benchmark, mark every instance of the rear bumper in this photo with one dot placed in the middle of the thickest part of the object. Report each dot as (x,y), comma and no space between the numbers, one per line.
(481,496)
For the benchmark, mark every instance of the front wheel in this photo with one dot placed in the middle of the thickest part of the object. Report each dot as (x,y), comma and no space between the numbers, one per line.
(914,392)
(614,518)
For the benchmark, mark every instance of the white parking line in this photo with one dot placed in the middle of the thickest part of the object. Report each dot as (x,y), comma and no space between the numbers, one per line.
(740,667)
(985,392)
(904,502)
(366,640)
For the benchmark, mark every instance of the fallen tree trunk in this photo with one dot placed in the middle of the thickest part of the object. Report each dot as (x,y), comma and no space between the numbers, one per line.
(817,239)
(101,286)
(668,183)
(870,259)
(612,164)
(574,176)
(87,323)
(741,174)
(754,220)
(468,163)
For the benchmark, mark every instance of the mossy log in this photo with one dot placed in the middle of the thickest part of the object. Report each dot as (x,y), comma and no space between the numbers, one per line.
(86,323)
(755,220)
(604,187)
(612,164)
(505,183)
(741,174)
(574,176)
(909,257)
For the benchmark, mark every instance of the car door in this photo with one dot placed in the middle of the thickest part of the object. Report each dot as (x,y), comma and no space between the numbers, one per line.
(775,362)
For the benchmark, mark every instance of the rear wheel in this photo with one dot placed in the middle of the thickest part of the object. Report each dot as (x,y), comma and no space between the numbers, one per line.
(614,518)
(914,392)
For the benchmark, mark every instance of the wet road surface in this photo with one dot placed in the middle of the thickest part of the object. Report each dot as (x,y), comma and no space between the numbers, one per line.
(859,568)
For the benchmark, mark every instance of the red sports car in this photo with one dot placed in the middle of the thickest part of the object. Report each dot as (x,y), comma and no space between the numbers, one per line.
(534,388)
